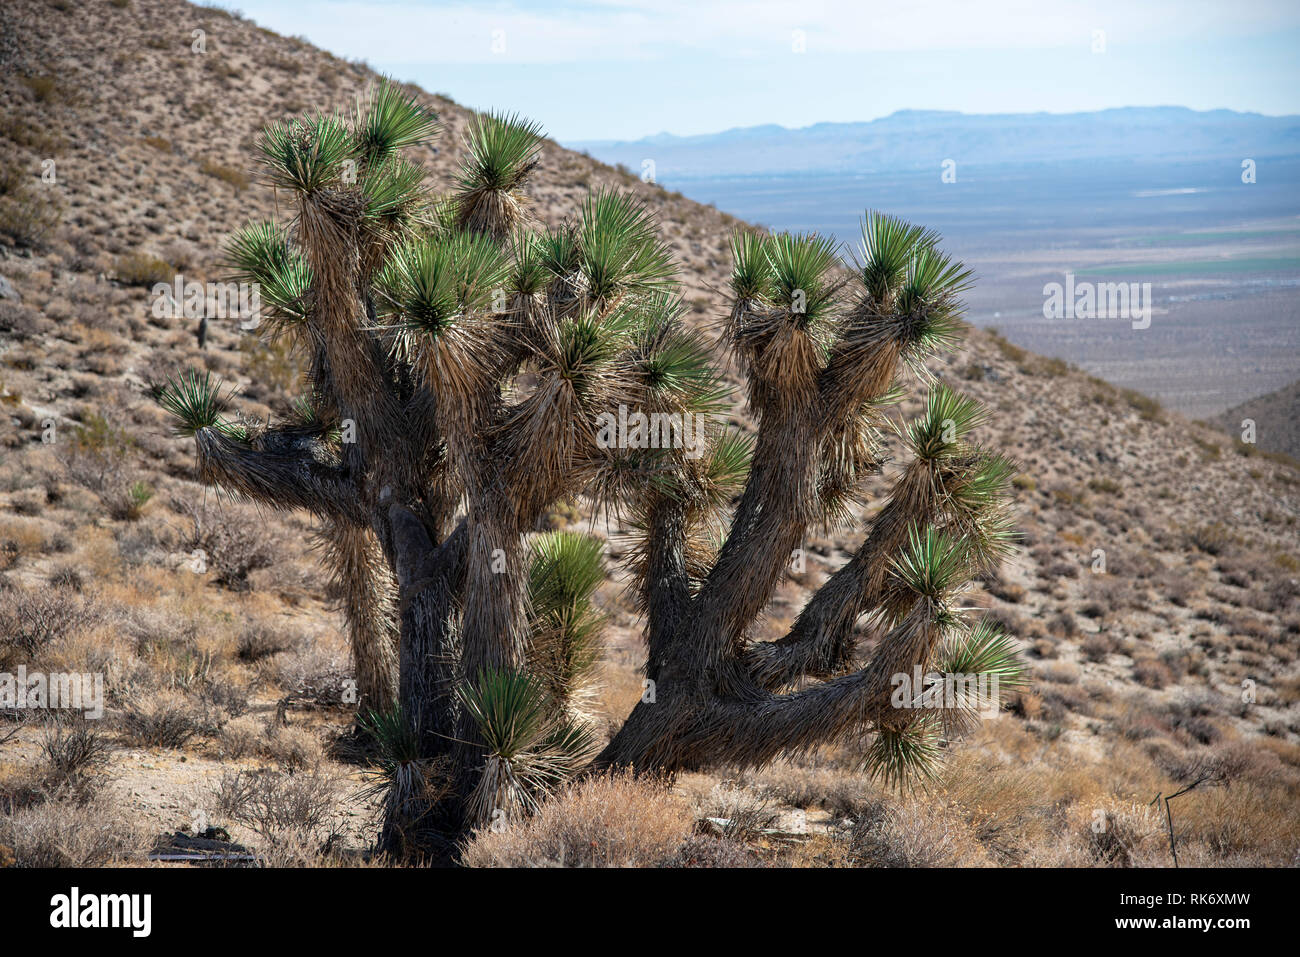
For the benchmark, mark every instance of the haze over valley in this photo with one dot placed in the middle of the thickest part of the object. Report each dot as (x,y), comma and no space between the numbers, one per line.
(1138,195)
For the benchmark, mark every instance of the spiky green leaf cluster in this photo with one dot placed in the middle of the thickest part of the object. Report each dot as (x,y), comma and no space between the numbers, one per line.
(904,758)
(558,250)
(979,486)
(949,417)
(503,149)
(530,746)
(305,154)
(390,119)
(673,363)
(985,649)
(565,570)
(261,253)
(619,250)
(394,189)
(889,246)
(194,400)
(751,272)
(801,270)
(529,274)
(929,298)
(932,564)
(427,283)
(588,347)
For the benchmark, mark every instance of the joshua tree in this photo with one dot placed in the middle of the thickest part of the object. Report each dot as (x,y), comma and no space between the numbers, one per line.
(466,369)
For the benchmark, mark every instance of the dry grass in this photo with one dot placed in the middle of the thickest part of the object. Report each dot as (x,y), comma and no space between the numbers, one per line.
(607,821)
(70,833)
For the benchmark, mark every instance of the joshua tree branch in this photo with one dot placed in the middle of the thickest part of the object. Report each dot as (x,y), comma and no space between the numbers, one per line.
(820,644)
(750,730)
(284,468)
(365,588)
(428,579)
(770,523)
(667,587)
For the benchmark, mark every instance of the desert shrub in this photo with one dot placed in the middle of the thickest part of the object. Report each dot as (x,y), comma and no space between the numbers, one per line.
(227,174)
(606,821)
(259,640)
(1196,729)
(1008,350)
(1182,661)
(1176,588)
(1145,406)
(839,791)
(66,576)
(26,216)
(1052,367)
(1064,625)
(227,696)
(1120,834)
(908,835)
(1025,704)
(126,501)
(560,515)
(144,269)
(21,323)
(1279,596)
(71,755)
(45,89)
(1009,592)
(27,131)
(165,722)
(740,814)
(32,618)
(1211,539)
(1137,723)
(70,833)
(1097,647)
(292,749)
(232,538)
(238,739)
(278,805)
(1151,673)
(707,850)
(97,458)
(1060,672)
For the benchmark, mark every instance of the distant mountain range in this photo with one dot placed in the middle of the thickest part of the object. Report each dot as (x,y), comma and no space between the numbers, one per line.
(924,139)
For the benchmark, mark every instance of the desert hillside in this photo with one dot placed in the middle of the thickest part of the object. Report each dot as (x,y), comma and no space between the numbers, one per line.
(1276,417)
(1157,590)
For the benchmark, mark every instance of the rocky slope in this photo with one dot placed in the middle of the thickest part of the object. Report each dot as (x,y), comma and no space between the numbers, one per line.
(1276,417)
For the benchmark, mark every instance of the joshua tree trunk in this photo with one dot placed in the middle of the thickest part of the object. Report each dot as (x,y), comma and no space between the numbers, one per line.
(469,370)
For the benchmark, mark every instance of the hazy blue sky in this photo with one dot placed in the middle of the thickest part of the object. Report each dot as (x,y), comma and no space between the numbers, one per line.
(622,69)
